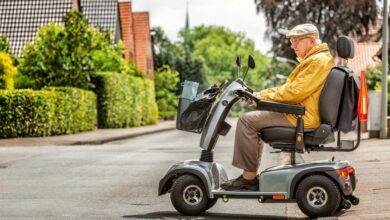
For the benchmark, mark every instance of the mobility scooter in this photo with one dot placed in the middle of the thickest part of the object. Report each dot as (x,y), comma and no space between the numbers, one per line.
(320,188)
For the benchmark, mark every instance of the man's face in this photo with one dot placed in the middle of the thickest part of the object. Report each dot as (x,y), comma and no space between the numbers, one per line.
(301,45)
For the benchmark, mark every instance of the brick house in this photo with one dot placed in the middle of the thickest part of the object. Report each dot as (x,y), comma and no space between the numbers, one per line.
(20,21)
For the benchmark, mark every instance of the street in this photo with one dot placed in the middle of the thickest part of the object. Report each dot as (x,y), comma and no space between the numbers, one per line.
(119,180)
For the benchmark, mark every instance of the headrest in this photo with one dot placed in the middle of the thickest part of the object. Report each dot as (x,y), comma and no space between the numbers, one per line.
(345,47)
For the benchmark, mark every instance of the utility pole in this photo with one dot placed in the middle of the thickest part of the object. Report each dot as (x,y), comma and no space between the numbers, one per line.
(385,33)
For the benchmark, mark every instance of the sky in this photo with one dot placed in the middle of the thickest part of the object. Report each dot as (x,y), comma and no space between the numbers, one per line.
(237,15)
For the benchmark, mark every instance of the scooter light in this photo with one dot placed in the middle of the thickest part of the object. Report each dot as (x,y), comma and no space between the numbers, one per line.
(344,172)
(351,170)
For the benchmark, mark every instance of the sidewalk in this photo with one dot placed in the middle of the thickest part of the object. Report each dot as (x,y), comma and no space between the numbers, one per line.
(98,136)
(372,163)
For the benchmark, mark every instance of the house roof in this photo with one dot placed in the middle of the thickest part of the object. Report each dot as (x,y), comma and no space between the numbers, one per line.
(364,53)
(102,14)
(21,19)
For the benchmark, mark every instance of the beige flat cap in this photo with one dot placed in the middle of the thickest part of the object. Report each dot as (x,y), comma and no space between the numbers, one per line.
(300,30)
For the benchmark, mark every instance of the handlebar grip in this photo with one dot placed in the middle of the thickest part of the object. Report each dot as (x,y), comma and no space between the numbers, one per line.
(248,95)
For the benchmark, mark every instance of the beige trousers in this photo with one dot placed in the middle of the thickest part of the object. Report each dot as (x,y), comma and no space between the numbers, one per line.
(248,147)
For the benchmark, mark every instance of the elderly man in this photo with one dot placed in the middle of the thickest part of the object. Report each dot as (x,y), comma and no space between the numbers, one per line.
(303,86)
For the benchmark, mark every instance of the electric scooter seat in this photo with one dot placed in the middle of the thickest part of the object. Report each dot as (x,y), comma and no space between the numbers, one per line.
(285,138)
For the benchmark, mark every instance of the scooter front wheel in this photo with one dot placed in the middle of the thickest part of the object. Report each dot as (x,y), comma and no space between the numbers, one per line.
(188,195)
(318,196)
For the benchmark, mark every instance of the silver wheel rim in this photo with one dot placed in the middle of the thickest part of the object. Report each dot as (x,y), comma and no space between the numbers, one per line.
(192,195)
(317,197)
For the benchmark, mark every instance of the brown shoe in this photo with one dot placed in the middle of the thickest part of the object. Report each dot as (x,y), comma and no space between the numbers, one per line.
(241,184)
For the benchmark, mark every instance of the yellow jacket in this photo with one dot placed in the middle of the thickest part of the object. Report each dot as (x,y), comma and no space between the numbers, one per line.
(304,85)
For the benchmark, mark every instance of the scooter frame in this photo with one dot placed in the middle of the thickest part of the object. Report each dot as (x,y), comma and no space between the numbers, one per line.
(276,184)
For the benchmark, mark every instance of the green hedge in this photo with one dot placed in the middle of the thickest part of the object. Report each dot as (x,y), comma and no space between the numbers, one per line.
(125,101)
(52,111)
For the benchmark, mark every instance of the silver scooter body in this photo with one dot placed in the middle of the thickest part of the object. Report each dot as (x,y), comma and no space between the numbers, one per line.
(278,180)
(218,115)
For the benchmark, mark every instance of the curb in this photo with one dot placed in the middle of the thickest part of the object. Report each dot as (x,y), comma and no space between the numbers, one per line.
(121,137)
(99,136)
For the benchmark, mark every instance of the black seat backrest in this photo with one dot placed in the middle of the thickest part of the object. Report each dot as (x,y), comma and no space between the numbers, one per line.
(331,94)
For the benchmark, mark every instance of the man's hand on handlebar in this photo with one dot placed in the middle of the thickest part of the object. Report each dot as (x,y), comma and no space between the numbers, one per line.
(249,101)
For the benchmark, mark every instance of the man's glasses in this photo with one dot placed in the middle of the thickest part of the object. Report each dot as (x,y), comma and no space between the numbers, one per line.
(296,40)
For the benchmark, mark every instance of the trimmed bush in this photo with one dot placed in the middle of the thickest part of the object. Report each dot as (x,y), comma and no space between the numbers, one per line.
(77,112)
(52,111)
(149,105)
(125,101)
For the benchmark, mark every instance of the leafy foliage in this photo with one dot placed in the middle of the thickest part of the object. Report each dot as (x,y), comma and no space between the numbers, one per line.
(207,54)
(191,69)
(164,51)
(373,77)
(23,82)
(277,73)
(132,70)
(374,81)
(107,57)
(69,55)
(7,72)
(332,17)
(218,47)
(124,101)
(166,81)
(53,111)
(178,56)
(5,46)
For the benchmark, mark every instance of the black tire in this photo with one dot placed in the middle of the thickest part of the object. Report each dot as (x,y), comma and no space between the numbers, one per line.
(344,204)
(318,196)
(211,203)
(189,196)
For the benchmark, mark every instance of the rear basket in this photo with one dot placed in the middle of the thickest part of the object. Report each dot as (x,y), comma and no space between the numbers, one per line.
(192,115)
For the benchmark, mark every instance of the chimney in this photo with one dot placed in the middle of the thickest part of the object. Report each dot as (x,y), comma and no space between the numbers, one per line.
(126,27)
(143,42)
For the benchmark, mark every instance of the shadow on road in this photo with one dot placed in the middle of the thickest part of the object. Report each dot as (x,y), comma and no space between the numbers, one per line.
(211,216)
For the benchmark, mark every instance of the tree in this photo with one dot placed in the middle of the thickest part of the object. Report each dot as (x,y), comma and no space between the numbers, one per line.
(107,57)
(218,48)
(178,56)
(165,85)
(68,55)
(7,71)
(332,17)
(5,46)
(164,51)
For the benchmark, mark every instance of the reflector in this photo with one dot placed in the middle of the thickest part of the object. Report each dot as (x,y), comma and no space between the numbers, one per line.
(363,98)
(278,197)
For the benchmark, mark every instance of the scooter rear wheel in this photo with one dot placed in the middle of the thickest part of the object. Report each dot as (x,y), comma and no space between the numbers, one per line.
(189,196)
(318,196)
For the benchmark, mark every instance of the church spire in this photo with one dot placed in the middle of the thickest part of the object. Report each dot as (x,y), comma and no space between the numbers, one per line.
(187,27)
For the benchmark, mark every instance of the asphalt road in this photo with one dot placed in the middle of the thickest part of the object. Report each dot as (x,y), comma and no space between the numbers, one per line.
(119,180)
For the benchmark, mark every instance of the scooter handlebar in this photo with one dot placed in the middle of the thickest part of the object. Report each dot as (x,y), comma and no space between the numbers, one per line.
(247,95)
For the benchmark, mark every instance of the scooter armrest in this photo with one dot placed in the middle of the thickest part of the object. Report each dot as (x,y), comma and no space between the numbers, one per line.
(281,107)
